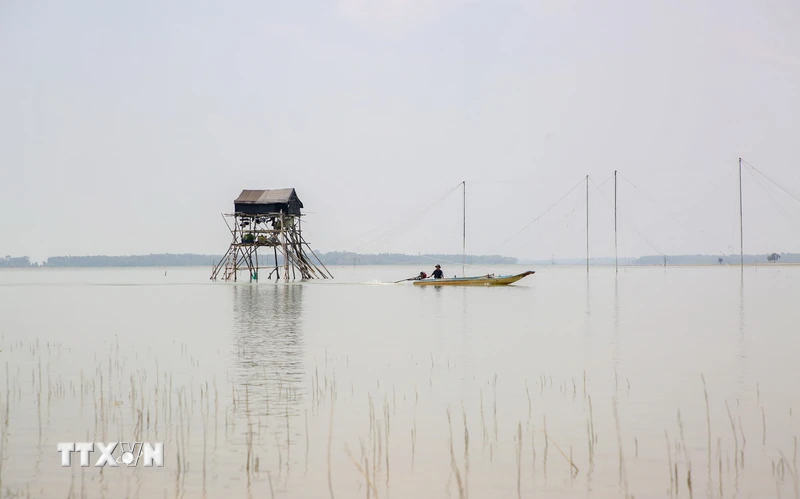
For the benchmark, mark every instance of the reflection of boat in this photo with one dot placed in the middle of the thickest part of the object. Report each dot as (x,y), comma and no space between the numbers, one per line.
(483,280)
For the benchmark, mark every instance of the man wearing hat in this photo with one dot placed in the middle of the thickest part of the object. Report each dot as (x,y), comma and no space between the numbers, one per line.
(438,274)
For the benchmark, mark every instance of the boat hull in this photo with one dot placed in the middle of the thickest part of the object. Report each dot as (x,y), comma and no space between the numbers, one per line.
(485,280)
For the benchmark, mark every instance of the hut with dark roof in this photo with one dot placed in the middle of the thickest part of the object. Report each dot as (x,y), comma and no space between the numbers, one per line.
(268,201)
(268,219)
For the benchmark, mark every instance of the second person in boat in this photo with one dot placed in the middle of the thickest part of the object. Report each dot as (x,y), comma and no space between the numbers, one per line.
(438,274)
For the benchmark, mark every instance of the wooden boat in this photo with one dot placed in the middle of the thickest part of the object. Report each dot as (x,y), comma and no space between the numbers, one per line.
(484,280)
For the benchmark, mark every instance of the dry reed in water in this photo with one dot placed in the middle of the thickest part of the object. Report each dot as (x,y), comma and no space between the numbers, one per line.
(413,444)
(794,476)
(546,445)
(377,452)
(519,460)
(453,464)
(592,437)
(744,440)
(669,463)
(466,453)
(363,470)
(686,455)
(735,439)
(623,474)
(719,457)
(528,393)
(330,440)
(584,384)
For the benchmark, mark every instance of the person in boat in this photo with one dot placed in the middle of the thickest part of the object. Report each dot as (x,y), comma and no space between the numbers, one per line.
(422,275)
(438,274)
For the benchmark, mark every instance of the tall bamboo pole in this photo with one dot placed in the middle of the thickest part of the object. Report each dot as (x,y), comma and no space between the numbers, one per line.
(741,229)
(464,229)
(616,263)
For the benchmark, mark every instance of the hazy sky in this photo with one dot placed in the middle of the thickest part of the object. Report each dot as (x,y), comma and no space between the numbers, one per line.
(128,127)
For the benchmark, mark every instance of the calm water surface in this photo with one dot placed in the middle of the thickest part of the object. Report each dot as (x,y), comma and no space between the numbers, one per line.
(359,388)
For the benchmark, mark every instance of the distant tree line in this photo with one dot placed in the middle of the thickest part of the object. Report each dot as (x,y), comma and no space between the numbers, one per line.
(155,260)
(346,258)
(16,262)
(710,259)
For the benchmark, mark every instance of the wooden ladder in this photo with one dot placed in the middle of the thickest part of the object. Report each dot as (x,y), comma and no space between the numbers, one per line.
(230,266)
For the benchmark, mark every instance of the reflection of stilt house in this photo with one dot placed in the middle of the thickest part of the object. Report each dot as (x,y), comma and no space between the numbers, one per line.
(268,219)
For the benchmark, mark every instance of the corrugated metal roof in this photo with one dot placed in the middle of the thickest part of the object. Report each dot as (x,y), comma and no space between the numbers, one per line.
(248,196)
(265,196)
(276,196)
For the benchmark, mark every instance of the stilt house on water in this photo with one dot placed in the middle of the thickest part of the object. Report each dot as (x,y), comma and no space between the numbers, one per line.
(270,219)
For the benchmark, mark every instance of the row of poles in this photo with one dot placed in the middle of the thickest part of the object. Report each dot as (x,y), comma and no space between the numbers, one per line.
(616,259)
